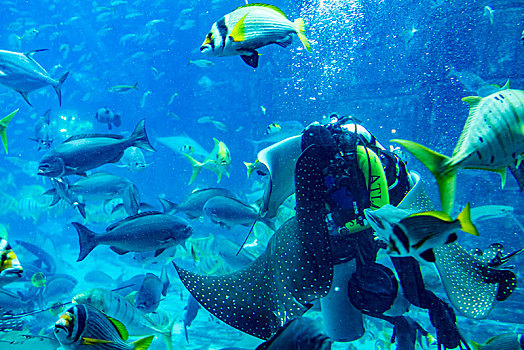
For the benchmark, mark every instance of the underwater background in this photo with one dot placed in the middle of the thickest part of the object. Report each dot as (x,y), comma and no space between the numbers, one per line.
(400,67)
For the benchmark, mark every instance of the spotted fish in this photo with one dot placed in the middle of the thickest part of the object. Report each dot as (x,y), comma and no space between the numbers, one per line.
(294,270)
(492,139)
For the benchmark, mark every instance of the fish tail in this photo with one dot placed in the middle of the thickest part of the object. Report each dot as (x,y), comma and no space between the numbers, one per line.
(131,199)
(445,175)
(466,224)
(143,344)
(197,166)
(58,87)
(168,206)
(3,127)
(86,240)
(301,32)
(135,86)
(81,208)
(139,137)
(474,345)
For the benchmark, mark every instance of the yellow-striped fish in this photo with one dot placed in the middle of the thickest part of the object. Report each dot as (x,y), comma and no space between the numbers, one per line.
(250,27)
(492,139)
(10,268)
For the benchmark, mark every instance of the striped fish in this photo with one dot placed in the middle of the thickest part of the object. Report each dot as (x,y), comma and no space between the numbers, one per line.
(250,27)
(492,139)
(417,234)
(83,325)
(10,268)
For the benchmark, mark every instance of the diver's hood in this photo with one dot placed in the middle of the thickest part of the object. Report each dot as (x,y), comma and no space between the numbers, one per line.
(280,159)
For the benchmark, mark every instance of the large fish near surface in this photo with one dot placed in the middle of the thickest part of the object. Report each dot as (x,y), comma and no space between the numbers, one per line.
(83,326)
(250,27)
(492,139)
(149,231)
(192,205)
(20,72)
(10,268)
(419,233)
(81,153)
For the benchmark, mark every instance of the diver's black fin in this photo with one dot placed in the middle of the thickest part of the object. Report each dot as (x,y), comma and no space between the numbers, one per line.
(251,60)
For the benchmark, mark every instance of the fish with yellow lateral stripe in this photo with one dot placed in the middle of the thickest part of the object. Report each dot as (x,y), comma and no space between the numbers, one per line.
(10,268)
(417,234)
(250,27)
(83,326)
(492,139)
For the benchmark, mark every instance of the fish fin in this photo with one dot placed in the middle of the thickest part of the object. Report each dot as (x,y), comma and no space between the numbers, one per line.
(31,53)
(248,234)
(301,32)
(86,240)
(474,345)
(118,250)
(135,86)
(466,224)
(109,126)
(81,209)
(120,328)
(26,98)
(131,298)
(58,87)
(506,86)
(117,120)
(435,213)
(139,137)
(251,60)
(164,278)
(274,8)
(435,162)
(143,344)
(428,255)
(237,34)
(3,127)
(131,199)
(47,116)
(197,166)
(92,341)
(159,251)
(185,331)
(452,238)
(168,206)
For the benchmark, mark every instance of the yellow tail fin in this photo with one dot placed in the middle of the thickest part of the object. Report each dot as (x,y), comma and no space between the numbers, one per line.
(3,127)
(143,344)
(474,345)
(301,32)
(466,224)
(197,166)
(435,162)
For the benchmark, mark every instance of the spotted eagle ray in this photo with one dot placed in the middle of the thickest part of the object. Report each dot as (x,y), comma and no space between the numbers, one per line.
(295,269)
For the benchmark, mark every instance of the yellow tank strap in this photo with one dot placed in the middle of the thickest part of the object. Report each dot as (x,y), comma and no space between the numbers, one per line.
(376,184)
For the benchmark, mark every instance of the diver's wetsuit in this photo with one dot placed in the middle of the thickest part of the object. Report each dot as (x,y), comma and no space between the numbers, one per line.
(347,195)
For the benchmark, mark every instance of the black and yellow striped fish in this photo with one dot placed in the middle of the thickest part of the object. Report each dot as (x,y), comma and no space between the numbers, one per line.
(10,268)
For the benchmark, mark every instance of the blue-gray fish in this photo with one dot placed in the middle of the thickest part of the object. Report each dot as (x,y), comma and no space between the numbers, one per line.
(42,131)
(10,268)
(81,153)
(106,116)
(492,139)
(506,341)
(250,27)
(228,212)
(191,313)
(300,333)
(151,291)
(280,284)
(20,72)
(83,326)
(192,205)
(149,231)
(61,191)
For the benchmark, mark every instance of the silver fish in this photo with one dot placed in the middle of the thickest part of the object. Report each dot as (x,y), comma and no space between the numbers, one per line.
(149,231)
(42,131)
(80,153)
(151,291)
(228,212)
(20,72)
(192,205)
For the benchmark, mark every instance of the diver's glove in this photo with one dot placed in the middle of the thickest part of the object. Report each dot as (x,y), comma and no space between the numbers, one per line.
(443,318)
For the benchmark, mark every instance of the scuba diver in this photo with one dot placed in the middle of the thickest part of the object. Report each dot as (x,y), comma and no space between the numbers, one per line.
(359,173)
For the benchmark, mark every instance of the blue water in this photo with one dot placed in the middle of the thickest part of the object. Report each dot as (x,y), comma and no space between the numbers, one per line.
(387,63)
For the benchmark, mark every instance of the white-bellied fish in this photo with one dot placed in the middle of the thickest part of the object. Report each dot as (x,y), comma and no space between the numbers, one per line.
(106,116)
(83,326)
(250,27)
(10,268)
(217,161)
(149,231)
(228,212)
(492,139)
(417,234)
(192,205)
(506,341)
(20,72)
(3,127)
(80,153)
